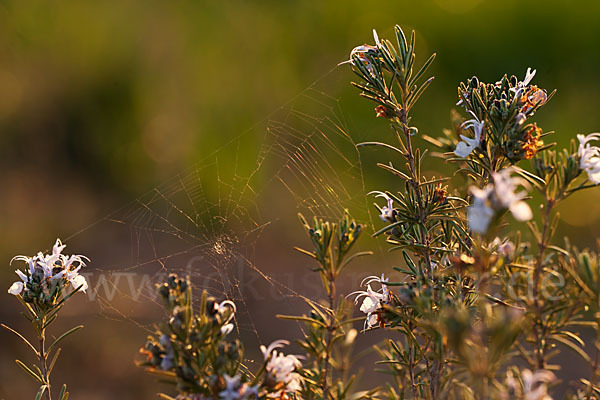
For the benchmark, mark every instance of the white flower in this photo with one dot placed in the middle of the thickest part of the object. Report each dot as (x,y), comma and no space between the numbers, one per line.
(528,77)
(589,157)
(387,211)
(479,214)
(373,300)
(504,190)
(464,148)
(281,368)
(226,329)
(16,288)
(73,278)
(498,195)
(534,385)
(525,82)
(362,52)
(247,391)
(223,307)
(231,391)
(505,248)
(266,351)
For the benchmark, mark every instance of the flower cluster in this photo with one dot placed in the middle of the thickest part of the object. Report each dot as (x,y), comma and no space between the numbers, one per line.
(281,369)
(193,348)
(528,385)
(503,108)
(497,196)
(47,276)
(179,347)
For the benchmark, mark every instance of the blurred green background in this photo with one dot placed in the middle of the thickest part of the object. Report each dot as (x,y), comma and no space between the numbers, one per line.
(102,101)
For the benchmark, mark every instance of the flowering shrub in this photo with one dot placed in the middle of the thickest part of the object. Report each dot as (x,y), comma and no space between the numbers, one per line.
(480,306)
(480,311)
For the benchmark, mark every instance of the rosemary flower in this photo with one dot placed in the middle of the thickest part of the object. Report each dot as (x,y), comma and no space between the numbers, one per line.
(234,390)
(505,247)
(221,309)
(280,368)
(480,213)
(373,301)
(534,384)
(499,195)
(529,96)
(47,275)
(387,211)
(521,86)
(464,148)
(363,52)
(589,156)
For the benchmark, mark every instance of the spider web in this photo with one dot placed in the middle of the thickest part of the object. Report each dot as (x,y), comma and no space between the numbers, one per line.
(226,221)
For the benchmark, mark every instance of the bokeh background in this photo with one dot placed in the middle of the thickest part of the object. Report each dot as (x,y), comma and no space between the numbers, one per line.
(101,102)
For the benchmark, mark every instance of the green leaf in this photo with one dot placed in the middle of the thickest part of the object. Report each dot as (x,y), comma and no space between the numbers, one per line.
(51,367)
(423,69)
(578,350)
(348,260)
(394,171)
(64,335)
(302,318)
(415,97)
(558,249)
(401,38)
(308,253)
(29,371)
(41,392)
(387,228)
(63,395)
(21,337)
(534,179)
(388,146)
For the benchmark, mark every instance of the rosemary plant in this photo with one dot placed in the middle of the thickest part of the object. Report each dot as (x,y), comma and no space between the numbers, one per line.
(478,299)
(46,284)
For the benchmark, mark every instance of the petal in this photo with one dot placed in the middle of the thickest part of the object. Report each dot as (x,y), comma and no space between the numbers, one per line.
(16,288)
(369,305)
(226,329)
(58,247)
(376,38)
(521,211)
(528,76)
(78,281)
(479,218)
(275,345)
(21,275)
(372,320)
(463,149)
